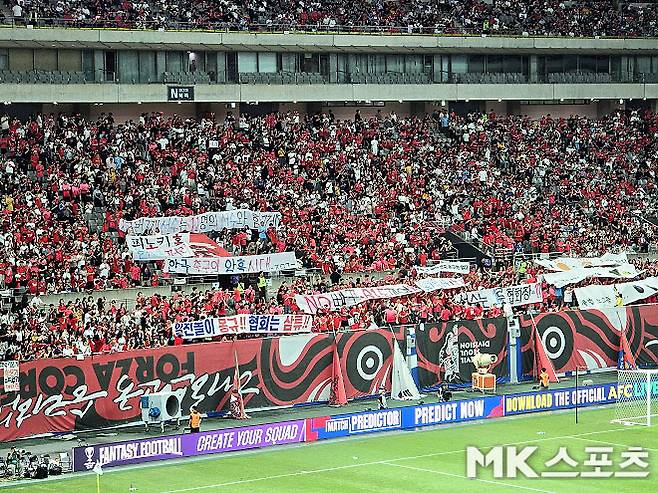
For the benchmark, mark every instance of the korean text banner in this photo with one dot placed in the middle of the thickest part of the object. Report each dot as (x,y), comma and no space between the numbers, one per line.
(523,294)
(159,247)
(11,372)
(561,279)
(564,264)
(203,223)
(595,295)
(435,283)
(445,266)
(335,300)
(244,324)
(177,446)
(67,394)
(250,264)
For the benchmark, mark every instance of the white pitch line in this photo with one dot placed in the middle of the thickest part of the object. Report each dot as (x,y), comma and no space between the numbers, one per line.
(500,483)
(613,443)
(386,461)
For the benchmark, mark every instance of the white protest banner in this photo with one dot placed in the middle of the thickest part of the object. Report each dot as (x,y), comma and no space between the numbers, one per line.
(445,266)
(596,295)
(250,264)
(159,247)
(335,300)
(244,324)
(203,223)
(523,294)
(561,279)
(564,264)
(435,283)
(11,376)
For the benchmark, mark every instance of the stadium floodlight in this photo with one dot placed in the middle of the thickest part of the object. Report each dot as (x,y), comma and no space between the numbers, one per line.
(637,397)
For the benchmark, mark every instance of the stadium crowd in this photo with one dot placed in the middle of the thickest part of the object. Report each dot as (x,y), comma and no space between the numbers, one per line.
(536,17)
(357,195)
(87,326)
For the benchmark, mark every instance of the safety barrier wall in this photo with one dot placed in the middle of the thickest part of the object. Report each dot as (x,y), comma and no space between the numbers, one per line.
(344,425)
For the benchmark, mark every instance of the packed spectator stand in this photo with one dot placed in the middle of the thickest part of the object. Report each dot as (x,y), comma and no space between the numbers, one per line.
(359,195)
(538,17)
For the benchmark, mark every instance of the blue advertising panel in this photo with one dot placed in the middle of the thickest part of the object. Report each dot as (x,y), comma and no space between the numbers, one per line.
(550,400)
(403,418)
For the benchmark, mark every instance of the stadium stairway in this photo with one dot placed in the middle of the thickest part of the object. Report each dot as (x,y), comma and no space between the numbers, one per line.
(95,219)
(466,249)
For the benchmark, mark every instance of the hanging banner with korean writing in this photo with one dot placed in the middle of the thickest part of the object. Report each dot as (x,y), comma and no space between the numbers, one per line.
(159,247)
(597,296)
(203,223)
(435,283)
(564,264)
(244,324)
(445,266)
(70,394)
(250,264)
(561,279)
(335,300)
(523,294)
(11,372)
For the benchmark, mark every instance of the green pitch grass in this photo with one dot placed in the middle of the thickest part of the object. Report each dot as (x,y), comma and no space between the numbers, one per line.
(429,460)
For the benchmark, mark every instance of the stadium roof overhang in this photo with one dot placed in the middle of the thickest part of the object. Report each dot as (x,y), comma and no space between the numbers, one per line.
(297,42)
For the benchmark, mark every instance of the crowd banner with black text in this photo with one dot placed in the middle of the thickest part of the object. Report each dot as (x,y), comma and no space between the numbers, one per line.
(454,266)
(249,264)
(203,223)
(244,324)
(573,276)
(159,247)
(564,264)
(335,300)
(599,296)
(523,294)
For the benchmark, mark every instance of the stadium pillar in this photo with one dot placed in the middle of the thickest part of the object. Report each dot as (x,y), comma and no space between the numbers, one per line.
(533,69)
(333,68)
(160,64)
(221,66)
(99,65)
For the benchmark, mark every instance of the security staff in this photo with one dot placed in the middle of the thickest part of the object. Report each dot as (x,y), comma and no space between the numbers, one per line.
(195,420)
(262,286)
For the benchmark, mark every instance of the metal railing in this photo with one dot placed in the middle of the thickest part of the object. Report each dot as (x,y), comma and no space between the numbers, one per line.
(304,78)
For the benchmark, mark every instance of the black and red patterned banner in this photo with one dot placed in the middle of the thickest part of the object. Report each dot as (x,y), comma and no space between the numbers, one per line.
(66,394)
(445,350)
(590,338)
